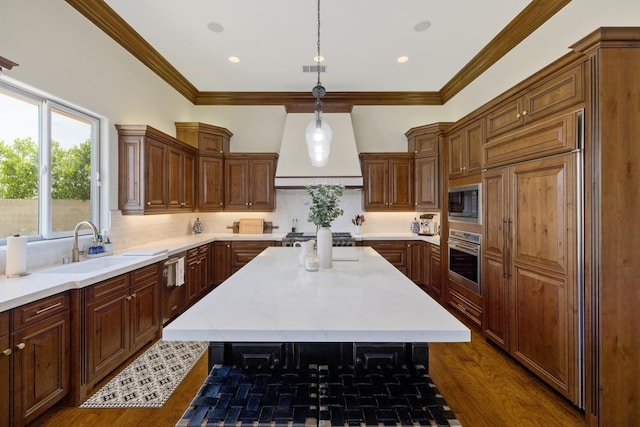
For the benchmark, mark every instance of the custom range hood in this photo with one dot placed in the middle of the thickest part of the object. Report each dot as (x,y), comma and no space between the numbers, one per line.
(294,168)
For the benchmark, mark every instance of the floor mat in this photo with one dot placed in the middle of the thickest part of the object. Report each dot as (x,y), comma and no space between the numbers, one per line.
(151,379)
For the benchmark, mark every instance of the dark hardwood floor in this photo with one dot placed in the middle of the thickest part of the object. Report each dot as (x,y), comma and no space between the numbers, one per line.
(482,385)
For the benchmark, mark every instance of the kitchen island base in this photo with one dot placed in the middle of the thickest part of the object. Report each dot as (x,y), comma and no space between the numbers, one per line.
(318,395)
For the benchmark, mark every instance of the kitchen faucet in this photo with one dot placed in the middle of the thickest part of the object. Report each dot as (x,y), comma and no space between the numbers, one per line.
(75,252)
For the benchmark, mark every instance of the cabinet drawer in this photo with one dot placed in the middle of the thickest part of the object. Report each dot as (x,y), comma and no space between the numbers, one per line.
(4,323)
(465,307)
(145,273)
(435,250)
(192,254)
(41,309)
(108,288)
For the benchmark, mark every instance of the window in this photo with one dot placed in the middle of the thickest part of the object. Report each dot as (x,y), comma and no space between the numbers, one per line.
(48,166)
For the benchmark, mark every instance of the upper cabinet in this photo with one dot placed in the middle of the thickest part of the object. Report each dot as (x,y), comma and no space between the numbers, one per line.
(156,172)
(212,142)
(249,181)
(425,143)
(465,147)
(550,96)
(388,181)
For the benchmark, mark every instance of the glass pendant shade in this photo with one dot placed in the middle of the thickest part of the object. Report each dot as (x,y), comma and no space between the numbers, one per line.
(318,136)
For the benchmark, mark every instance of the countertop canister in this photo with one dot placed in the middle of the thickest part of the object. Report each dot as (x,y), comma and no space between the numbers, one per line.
(16,256)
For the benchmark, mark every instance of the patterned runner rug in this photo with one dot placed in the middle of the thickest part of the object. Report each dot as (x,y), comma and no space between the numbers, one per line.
(151,379)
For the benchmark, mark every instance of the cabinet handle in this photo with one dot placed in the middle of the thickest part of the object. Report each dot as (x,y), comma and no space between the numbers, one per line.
(518,116)
(462,307)
(21,346)
(129,298)
(220,203)
(524,112)
(134,295)
(51,307)
(250,204)
(228,246)
(148,203)
(246,203)
(7,352)
(182,204)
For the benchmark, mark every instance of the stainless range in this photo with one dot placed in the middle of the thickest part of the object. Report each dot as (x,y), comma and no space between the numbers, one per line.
(339,238)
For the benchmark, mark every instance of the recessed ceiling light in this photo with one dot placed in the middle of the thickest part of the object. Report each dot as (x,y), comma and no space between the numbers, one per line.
(318,58)
(215,27)
(422,26)
(402,59)
(234,59)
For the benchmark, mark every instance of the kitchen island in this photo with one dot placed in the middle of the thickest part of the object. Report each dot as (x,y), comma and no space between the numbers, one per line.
(362,299)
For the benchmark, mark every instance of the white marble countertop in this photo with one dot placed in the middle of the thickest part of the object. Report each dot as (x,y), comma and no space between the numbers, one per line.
(273,299)
(44,282)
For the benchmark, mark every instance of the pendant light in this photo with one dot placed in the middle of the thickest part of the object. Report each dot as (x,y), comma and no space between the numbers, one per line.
(318,134)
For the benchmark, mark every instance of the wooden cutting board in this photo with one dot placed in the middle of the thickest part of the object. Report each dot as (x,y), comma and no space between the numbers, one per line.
(251,226)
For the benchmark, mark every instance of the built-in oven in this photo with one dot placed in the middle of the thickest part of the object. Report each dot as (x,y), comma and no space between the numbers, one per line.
(464,258)
(465,204)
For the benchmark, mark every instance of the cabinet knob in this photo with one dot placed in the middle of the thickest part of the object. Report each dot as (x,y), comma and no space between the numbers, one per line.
(7,352)
(250,204)
(518,115)
(220,203)
(246,203)
(129,298)
(182,204)
(524,112)
(21,346)
(148,203)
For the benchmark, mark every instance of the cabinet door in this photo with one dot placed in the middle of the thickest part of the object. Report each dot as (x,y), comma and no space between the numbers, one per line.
(174,177)
(211,191)
(130,175)
(494,255)
(393,251)
(435,273)
(206,280)
(376,184)
(427,183)
(261,185)
(156,176)
(414,261)
(41,366)
(543,320)
(144,301)
(456,154)
(474,138)
(221,261)
(5,384)
(401,184)
(193,276)
(243,252)
(505,117)
(188,181)
(236,179)
(107,331)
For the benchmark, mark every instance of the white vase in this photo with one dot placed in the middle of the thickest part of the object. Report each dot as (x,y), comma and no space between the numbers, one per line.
(325,246)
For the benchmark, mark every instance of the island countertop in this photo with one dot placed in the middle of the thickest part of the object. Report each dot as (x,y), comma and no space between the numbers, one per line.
(363,298)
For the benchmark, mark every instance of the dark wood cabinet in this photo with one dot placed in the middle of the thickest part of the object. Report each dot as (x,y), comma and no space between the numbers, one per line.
(432,271)
(211,184)
(465,147)
(425,143)
(427,182)
(212,142)
(414,261)
(156,172)
(463,303)
(121,315)
(249,181)
(221,261)
(388,181)
(244,251)
(529,266)
(38,363)
(199,278)
(550,96)
(394,251)
(5,371)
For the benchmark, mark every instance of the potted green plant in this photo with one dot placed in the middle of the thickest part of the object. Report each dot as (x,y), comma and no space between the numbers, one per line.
(325,207)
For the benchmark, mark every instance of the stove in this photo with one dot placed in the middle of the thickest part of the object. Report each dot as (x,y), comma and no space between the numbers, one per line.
(339,238)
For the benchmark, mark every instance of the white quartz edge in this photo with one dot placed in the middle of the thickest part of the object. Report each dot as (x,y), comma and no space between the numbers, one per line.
(435,239)
(272,299)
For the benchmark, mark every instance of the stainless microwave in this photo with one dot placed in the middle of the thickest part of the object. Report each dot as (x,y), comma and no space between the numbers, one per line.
(465,204)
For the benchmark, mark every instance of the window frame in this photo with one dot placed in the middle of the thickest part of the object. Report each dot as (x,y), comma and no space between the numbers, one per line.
(46,104)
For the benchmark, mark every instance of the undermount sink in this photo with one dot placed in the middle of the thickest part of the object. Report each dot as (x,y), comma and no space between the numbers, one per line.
(87,266)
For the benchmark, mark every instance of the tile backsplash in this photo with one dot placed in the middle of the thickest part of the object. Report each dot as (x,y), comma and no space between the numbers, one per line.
(127,231)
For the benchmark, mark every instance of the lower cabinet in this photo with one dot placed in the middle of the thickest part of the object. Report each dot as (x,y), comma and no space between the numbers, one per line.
(394,251)
(244,251)
(121,315)
(432,271)
(464,304)
(35,360)
(221,261)
(414,261)
(199,278)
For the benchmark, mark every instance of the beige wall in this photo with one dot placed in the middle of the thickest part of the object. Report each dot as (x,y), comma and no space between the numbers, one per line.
(67,213)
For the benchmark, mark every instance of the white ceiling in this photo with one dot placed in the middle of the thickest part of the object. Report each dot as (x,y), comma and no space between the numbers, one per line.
(360,39)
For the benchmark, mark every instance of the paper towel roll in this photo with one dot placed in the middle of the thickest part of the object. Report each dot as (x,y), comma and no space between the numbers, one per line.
(16,256)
